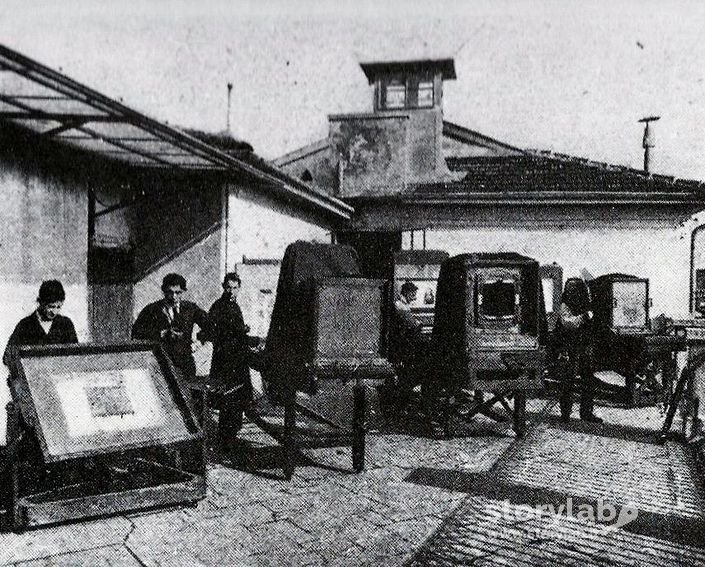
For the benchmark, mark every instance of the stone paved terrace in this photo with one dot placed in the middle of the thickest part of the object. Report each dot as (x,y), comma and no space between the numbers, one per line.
(421,501)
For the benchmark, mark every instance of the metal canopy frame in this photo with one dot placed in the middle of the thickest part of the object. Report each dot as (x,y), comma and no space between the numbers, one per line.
(56,107)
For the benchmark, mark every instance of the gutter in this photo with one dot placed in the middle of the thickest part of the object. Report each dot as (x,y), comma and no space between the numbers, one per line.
(553,198)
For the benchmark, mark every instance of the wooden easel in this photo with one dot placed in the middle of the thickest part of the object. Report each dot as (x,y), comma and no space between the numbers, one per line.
(683,385)
(288,438)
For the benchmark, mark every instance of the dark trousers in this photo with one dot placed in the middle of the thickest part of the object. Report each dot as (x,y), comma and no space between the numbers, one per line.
(231,407)
(579,363)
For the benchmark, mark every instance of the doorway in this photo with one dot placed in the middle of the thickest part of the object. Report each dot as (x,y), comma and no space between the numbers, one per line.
(111,298)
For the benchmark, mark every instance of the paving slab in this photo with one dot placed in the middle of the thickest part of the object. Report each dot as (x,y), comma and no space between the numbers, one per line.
(111,556)
(41,543)
(657,486)
(418,502)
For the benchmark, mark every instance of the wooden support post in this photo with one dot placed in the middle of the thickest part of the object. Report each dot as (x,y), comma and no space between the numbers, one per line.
(359,426)
(631,394)
(520,413)
(505,404)
(289,441)
(675,400)
(14,435)
(670,373)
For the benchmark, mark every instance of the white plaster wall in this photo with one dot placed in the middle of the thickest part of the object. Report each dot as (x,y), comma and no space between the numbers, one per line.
(261,228)
(43,235)
(660,253)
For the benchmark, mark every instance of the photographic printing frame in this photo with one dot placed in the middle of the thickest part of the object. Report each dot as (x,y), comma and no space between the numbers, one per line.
(38,400)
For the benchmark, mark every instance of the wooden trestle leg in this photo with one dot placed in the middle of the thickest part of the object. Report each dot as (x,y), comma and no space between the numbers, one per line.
(359,427)
(14,434)
(520,413)
(289,441)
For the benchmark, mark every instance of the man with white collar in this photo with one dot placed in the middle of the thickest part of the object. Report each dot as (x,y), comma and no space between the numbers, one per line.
(171,321)
(45,326)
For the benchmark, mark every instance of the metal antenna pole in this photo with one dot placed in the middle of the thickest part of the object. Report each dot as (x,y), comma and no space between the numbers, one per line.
(230,91)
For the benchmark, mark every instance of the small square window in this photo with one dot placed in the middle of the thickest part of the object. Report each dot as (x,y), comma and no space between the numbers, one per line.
(425,94)
(395,95)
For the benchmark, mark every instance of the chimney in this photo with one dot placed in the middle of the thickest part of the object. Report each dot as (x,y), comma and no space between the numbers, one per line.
(649,141)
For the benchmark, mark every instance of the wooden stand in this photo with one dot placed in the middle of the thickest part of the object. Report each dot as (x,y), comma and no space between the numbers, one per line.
(289,438)
(333,332)
(680,396)
(498,396)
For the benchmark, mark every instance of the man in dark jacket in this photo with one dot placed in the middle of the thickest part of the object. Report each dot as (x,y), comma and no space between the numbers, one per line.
(45,326)
(230,371)
(407,346)
(171,320)
(573,333)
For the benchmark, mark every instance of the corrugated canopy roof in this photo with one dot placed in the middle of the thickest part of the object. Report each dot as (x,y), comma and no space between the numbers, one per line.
(57,107)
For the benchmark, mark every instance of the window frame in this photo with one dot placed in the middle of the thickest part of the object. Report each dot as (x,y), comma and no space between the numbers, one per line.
(410,84)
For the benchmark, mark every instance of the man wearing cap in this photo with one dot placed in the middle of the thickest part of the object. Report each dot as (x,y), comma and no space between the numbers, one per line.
(45,326)
(170,321)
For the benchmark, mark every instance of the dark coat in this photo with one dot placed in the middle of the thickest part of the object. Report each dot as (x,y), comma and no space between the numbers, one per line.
(228,332)
(153,319)
(30,332)
(405,337)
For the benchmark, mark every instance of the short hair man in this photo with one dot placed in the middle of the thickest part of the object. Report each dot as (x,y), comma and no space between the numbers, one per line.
(407,295)
(171,320)
(230,370)
(45,325)
(406,345)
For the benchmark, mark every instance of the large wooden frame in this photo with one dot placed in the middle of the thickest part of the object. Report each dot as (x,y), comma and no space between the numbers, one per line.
(475,352)
(146,466)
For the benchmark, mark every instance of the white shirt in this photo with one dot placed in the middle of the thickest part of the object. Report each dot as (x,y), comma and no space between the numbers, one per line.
(46,325)
(171,312)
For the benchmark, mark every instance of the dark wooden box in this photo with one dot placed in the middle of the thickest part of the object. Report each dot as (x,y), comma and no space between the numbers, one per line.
(490,321)
(621,303)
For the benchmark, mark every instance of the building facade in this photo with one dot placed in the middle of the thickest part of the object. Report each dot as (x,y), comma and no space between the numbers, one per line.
(419,181)
(108,201)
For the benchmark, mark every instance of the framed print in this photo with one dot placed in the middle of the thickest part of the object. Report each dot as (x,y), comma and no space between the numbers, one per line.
(90,399)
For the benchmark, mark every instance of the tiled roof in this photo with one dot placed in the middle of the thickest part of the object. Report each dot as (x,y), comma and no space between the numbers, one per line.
(223,140)
(545,172)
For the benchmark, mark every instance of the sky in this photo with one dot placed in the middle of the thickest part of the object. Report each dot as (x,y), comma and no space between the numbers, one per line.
(567,76)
